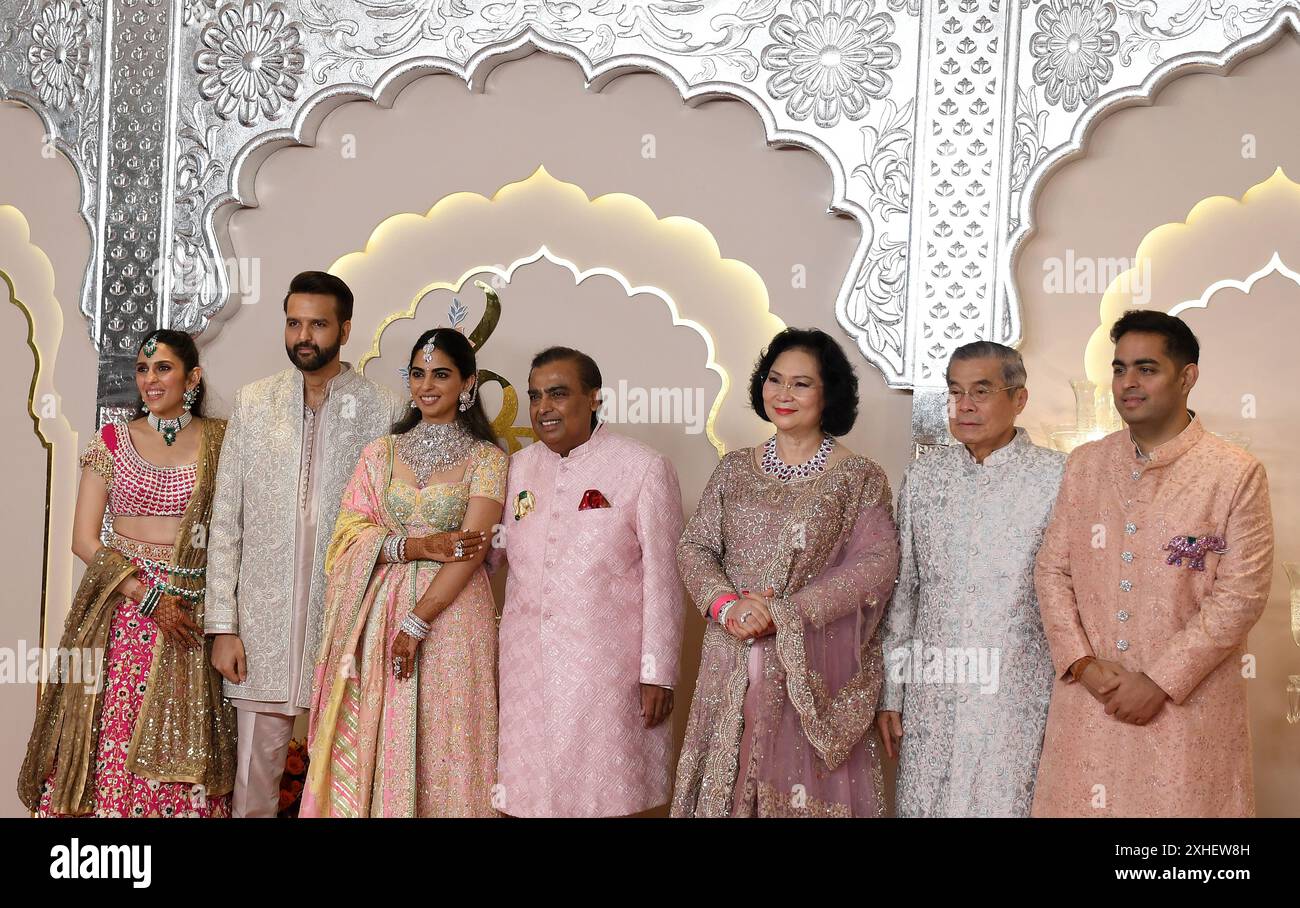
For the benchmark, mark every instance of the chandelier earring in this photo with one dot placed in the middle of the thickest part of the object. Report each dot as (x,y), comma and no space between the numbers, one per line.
(467,398)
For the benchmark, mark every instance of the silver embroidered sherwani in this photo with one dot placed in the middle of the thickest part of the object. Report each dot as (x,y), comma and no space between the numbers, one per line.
(252,559)
(966,661)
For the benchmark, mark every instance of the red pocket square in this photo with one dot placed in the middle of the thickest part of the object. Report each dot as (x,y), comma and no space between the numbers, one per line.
(593,499)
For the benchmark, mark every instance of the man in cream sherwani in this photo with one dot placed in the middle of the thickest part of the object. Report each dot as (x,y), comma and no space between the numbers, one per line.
(592,626)
(970,520)
(291,445)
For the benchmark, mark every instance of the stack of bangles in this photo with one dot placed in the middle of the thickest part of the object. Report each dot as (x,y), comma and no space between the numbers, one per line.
(721,606)
(415,627)
(158,573)
(395,549)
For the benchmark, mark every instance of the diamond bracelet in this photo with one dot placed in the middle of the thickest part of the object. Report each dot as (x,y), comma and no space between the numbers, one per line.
(415,626)
(395,549)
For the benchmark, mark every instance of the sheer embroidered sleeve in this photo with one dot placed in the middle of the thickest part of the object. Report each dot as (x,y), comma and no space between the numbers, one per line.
(701,549)
(99,458)
(488,473)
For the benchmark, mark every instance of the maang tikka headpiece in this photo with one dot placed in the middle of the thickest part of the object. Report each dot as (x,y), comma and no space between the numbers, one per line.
(456,314)
(427,349)
(150,347)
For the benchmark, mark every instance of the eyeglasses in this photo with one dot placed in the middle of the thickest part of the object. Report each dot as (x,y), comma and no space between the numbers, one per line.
(979,396)
(799,388)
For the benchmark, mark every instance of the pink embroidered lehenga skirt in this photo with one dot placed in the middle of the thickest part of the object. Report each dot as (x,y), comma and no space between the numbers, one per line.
(119,792)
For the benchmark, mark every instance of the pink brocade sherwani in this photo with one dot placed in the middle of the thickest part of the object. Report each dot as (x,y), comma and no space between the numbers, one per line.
(1106,589)
(593,610)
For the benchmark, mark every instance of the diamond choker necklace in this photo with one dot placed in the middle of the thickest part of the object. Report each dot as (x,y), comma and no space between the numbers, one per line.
(431,447)
(773,465)
(169,427)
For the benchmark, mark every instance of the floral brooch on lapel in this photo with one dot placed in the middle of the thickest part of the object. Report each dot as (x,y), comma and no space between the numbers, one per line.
(592,498)
(1194,549)
(525,504)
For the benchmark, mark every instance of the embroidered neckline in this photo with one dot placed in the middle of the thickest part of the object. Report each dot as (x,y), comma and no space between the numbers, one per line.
(124,438)
(394,459)
(403,484)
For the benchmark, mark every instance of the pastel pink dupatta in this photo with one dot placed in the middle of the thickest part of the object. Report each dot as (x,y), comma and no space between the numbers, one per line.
(338,686)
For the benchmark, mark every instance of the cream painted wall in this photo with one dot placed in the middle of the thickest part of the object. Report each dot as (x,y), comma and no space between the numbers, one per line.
(21,455)
(1149,166)
(46,192)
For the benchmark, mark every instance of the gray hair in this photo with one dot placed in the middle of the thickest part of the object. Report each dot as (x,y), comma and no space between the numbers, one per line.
(1013,366)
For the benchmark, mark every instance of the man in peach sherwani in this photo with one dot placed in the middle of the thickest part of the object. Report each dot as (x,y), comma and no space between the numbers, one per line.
(592,626)
(1154,567)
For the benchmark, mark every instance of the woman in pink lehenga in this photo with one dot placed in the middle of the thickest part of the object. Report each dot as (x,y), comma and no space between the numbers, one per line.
(791,555)
(144,732)
(404,711)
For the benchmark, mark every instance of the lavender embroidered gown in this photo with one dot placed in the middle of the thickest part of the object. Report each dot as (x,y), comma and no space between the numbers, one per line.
(783,727)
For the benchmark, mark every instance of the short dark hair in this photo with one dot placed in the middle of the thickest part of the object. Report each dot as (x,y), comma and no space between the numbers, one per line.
(839,381)
(324,283)
(588,371)
(1181,344)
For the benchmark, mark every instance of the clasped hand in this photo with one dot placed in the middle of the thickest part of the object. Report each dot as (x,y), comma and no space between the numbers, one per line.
(1128,696)
(750,616)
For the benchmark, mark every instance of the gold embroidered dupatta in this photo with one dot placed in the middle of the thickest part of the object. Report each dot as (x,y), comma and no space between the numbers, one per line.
(186,730)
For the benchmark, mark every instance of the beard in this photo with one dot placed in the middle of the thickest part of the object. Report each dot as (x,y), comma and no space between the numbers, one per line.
(314,360)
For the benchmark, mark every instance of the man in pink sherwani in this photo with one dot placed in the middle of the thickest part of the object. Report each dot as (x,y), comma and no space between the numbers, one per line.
(592,626)
(1155,566)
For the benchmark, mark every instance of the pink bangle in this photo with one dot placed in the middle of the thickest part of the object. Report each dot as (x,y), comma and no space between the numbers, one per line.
(720,602)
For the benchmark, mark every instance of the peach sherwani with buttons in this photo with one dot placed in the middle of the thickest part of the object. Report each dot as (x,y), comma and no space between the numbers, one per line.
(1107,589)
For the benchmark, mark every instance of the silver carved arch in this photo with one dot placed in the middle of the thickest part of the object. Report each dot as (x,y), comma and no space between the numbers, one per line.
(1284,21)
(195,310)
(939,119)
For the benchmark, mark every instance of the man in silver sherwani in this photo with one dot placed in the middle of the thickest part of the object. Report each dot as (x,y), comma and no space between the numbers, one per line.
(291,446)
(968,674)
